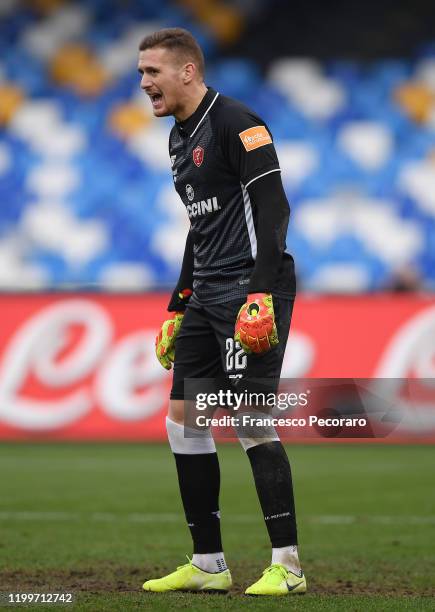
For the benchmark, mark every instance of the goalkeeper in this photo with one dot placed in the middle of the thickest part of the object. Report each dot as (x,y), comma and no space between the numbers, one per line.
(230,312)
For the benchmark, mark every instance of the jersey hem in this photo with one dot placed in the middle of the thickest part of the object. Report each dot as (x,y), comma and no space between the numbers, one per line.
(234,298)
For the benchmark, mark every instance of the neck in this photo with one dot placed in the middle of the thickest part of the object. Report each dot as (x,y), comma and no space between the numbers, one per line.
(191,103)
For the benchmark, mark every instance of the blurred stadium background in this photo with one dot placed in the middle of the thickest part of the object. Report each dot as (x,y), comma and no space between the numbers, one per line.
(91,238)
(87,198)
(89,209)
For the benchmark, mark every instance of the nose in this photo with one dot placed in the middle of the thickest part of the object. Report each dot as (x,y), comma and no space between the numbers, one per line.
(145,81)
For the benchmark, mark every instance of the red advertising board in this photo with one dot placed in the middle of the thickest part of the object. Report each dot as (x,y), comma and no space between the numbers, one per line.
(82,367)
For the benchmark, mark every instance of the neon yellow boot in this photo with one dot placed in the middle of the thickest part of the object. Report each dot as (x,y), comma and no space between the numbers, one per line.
(278,580)
(188,577)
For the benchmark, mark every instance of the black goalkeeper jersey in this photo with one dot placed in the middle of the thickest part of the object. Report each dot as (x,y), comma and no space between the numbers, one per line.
(216,154)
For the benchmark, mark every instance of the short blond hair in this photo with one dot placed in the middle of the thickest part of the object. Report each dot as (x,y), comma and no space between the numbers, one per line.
(178,40)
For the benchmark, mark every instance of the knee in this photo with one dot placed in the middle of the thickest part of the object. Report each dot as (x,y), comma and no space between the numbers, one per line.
(254,435)
(176,411)
(187,441)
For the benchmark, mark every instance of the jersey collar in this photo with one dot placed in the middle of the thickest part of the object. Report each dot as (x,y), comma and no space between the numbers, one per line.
(189,126)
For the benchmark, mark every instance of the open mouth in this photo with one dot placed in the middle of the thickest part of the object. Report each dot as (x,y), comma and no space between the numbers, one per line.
(156,99)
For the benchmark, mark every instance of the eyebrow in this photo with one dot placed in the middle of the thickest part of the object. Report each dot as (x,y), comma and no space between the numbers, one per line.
(147,69)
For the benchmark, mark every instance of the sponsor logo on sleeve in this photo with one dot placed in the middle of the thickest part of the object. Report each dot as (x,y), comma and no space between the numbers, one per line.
(255,137)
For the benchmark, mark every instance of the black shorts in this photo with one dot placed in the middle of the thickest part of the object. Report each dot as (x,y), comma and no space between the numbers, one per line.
(205,347)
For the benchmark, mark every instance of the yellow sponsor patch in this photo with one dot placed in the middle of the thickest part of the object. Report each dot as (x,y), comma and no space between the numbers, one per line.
(255,137)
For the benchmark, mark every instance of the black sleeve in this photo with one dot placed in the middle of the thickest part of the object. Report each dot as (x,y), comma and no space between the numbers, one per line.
(273,211)
(247,144)
(185,282)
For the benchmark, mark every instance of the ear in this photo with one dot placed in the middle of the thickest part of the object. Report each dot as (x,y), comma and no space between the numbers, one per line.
(189,72)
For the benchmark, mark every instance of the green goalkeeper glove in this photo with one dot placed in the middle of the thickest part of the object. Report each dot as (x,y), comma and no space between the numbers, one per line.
(165,339)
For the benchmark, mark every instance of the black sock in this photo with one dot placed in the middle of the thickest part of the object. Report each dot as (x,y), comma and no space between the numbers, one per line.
(273,480)
(199,480)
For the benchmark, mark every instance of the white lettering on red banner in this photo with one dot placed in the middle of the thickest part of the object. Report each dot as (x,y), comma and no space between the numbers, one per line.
(84,367)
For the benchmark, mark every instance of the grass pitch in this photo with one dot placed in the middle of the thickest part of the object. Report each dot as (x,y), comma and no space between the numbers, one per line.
(97,520)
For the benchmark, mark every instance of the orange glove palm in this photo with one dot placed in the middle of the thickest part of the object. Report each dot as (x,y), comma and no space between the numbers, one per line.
(255,326)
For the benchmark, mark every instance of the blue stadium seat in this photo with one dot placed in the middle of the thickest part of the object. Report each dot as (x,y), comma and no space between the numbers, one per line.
(128,193)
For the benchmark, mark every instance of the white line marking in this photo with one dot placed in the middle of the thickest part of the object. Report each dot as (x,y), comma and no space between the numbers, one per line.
(172,517)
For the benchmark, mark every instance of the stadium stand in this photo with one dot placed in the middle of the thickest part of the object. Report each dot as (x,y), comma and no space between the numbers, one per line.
(86,194)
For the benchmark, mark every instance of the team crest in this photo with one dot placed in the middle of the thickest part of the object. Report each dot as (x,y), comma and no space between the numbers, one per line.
(198,156)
